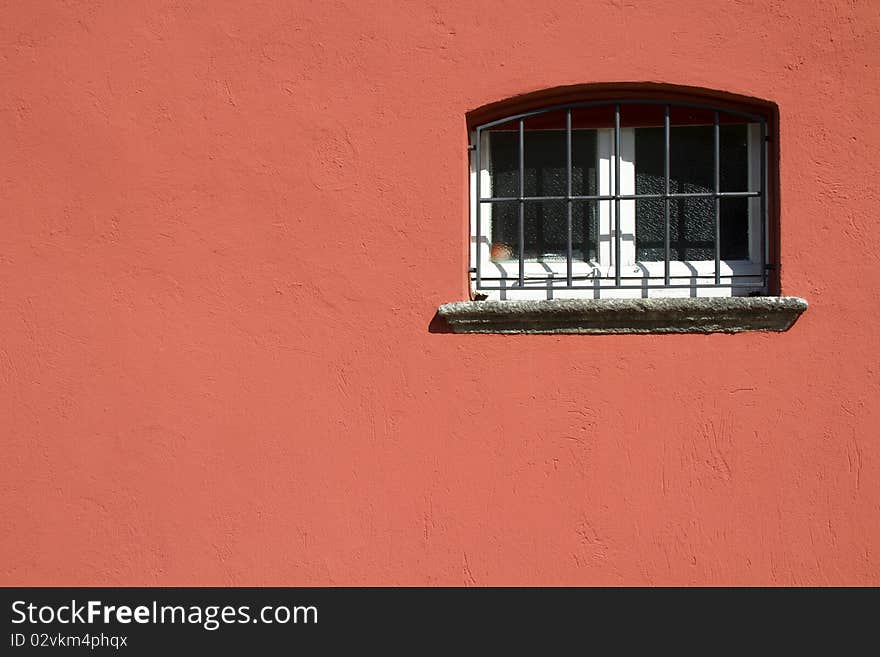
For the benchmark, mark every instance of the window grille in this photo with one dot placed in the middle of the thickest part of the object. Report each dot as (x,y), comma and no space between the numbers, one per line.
(731,217)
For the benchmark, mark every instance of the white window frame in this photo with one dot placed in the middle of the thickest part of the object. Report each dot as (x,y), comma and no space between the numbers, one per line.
(551,275)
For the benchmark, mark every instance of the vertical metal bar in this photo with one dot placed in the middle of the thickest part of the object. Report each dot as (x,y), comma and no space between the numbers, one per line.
(479,192)
(666,198)
(764,187)
(568,254)
(717,201)
(617,233)
(522,240)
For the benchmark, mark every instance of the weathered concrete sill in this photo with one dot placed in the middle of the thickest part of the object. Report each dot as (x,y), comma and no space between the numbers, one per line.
(692,315)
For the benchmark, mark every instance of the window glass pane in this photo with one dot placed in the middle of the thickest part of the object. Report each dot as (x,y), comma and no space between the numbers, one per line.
(586,123)
(691,229)
(734,141)
(650,172)
(584,176)
(545,155)
(692,239)
(545,174)
(504,163)
(544,161)
(504,219)
(735,228)
(650,230)
(691,165)
(546,230)
(585,230)
(691,158)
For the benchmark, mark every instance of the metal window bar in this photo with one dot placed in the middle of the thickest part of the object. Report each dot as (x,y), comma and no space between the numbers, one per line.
(617,197)
(623,197)
(479,185)
(717,146)
(568,252)
(595,277)
(522,205)
(764,182)
(666,148)
(755,118)
(541,285)
(617,235)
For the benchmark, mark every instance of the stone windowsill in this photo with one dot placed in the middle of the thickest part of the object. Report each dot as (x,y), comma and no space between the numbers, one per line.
(690,315)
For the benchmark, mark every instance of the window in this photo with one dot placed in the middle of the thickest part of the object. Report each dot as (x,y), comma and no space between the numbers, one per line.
(620,199)
(638,213)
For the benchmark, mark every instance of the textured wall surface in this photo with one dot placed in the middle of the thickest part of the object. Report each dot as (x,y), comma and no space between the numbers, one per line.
(226,227)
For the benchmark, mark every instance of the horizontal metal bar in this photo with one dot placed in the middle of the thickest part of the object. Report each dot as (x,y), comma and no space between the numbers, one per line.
(629,101)
(625,287)
(714,195)
(548,277)
(622,197)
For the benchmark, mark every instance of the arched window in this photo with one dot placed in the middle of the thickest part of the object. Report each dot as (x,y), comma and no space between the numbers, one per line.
(621,197)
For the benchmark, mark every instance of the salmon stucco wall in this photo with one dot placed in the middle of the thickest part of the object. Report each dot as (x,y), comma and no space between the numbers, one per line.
(226,228)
